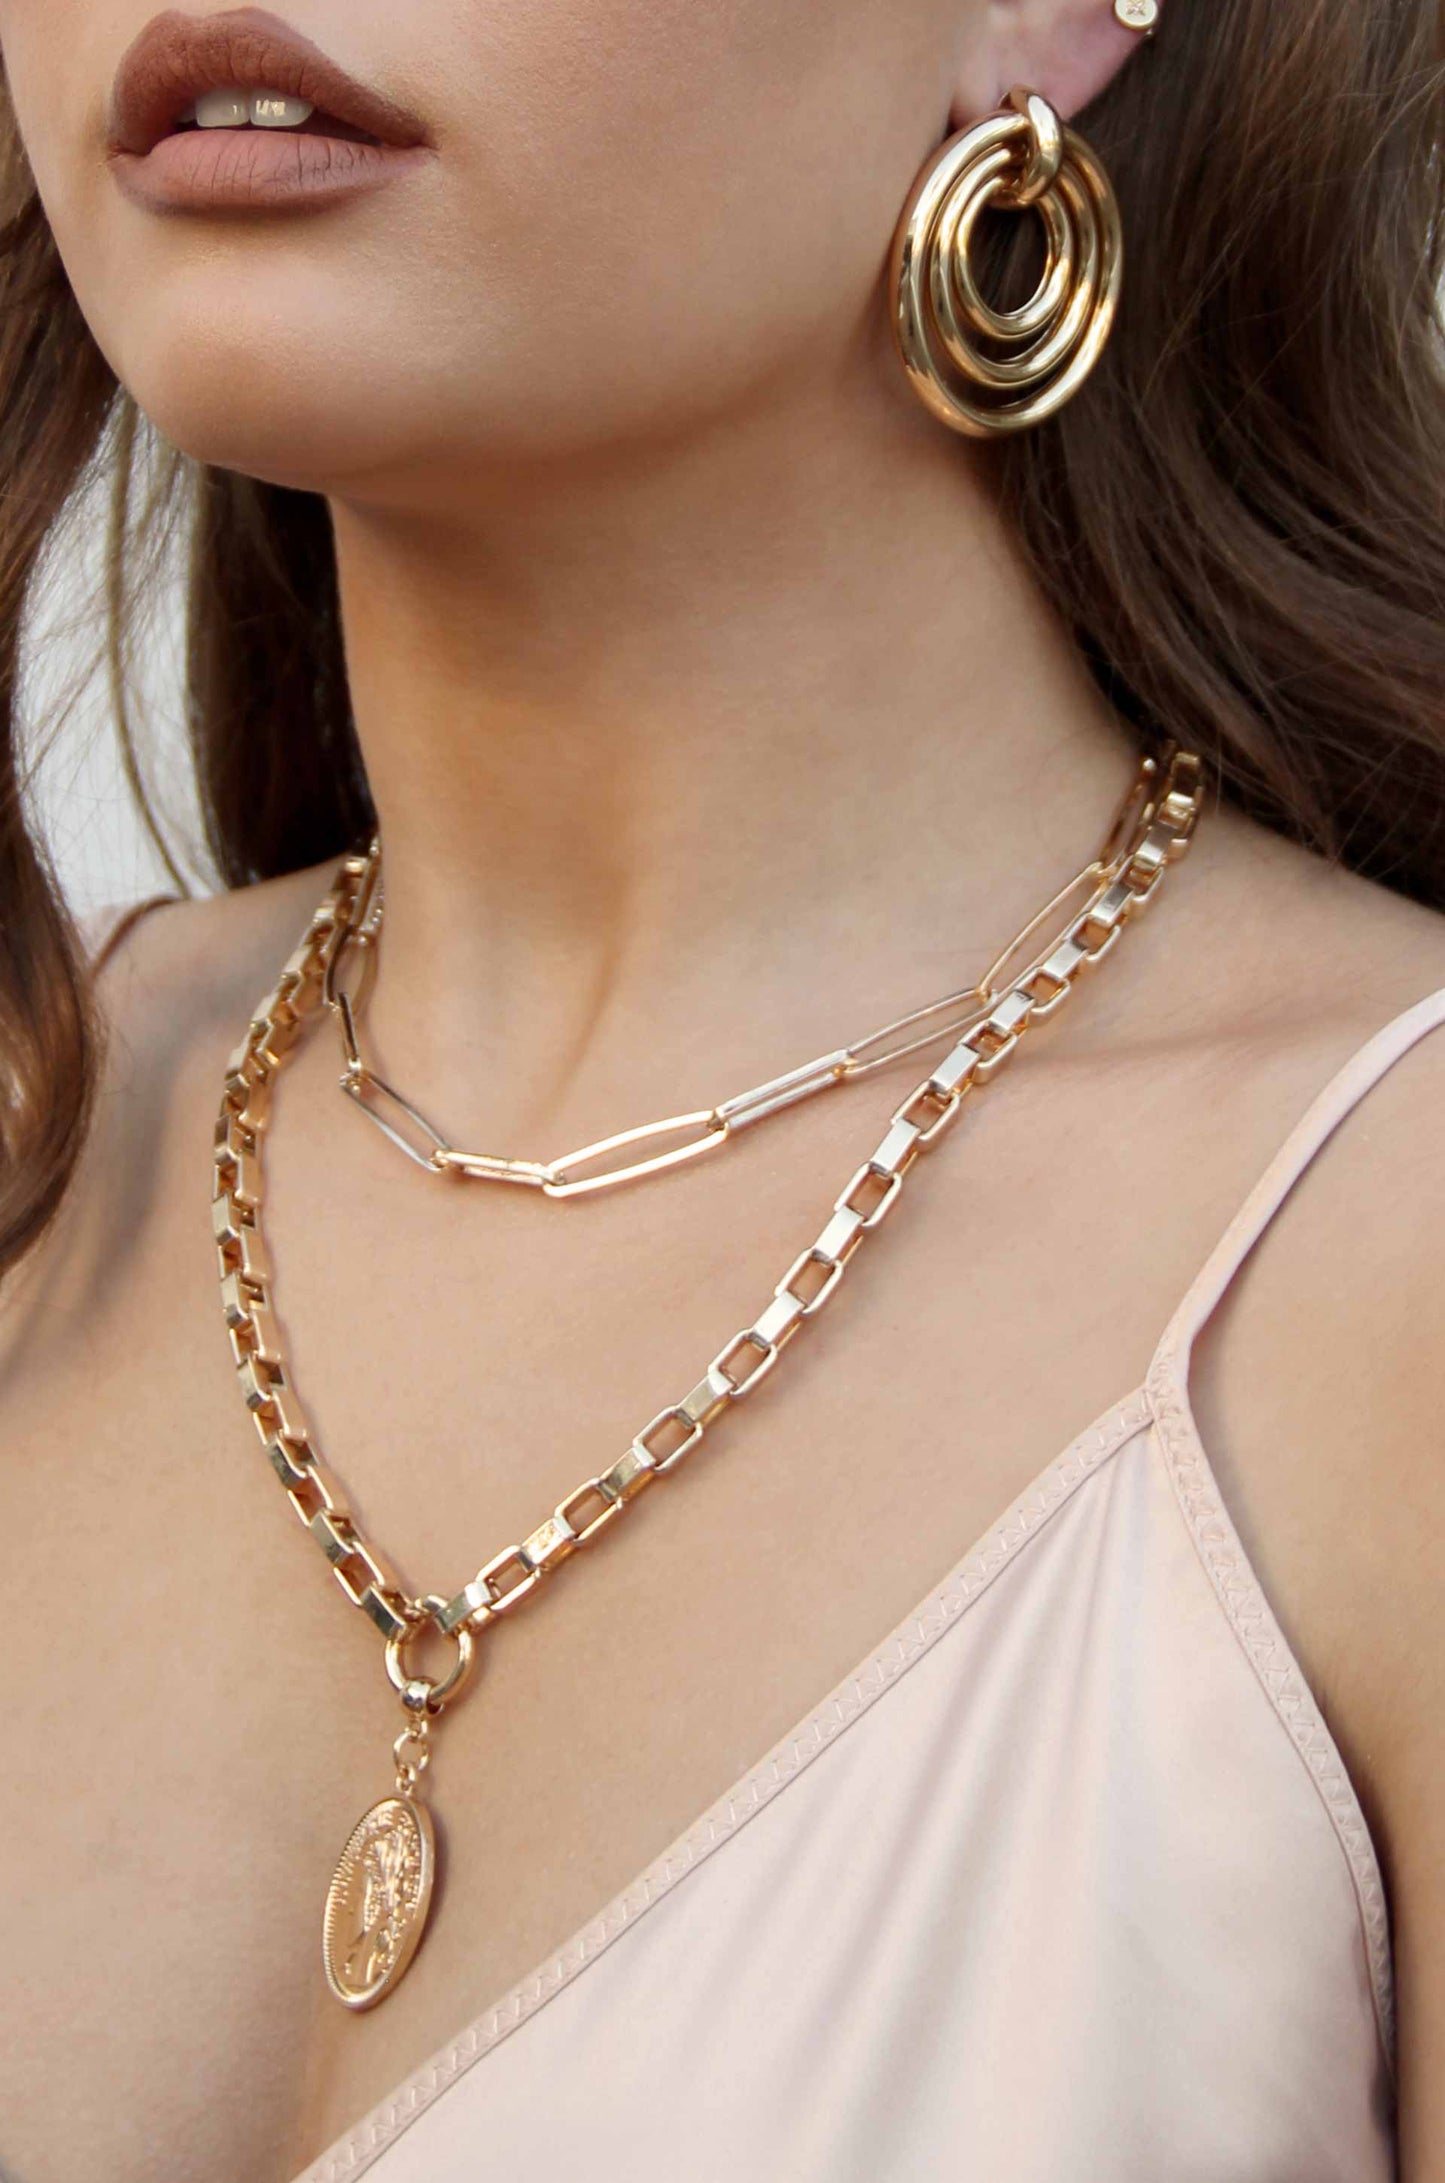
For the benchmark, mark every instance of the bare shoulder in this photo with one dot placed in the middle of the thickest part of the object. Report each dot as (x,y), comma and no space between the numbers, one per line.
(1329,1323)
(172,991)
(176,987)
(191,962)
(1330,1346)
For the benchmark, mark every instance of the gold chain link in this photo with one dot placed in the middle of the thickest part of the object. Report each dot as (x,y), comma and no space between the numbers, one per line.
(701,1131)
(1153,829)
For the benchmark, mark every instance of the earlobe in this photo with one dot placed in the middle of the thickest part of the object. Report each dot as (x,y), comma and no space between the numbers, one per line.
(1067,49)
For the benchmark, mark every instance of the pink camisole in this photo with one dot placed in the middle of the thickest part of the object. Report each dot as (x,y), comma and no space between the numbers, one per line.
(1067,1883)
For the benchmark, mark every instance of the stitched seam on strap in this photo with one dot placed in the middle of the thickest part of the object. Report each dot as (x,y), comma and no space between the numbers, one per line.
(906,1644)
(1267,1650)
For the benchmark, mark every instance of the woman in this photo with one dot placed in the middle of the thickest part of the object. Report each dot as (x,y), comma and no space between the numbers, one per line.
(964,1766)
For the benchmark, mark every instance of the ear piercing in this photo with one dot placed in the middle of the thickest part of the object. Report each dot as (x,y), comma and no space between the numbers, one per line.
(1138,15)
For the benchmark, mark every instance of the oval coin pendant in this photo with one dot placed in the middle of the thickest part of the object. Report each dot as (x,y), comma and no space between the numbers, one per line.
(377,1903)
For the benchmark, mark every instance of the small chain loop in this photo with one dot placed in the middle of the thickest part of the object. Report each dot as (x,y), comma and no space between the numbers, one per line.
(412,1754)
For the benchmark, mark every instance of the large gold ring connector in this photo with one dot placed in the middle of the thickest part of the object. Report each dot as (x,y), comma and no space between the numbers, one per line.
(418,1693)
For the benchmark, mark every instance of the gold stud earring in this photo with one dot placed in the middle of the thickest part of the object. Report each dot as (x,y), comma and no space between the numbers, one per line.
(1020,157)
(1138,15)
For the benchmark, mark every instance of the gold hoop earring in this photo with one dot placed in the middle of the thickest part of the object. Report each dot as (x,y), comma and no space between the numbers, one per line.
(1018,157)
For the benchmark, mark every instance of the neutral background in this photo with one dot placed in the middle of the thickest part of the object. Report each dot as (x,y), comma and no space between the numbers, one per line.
(75,784)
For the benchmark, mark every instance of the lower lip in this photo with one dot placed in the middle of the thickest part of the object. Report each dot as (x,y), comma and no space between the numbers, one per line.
(256,170)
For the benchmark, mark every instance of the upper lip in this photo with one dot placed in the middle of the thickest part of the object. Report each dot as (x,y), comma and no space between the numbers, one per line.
(178,56)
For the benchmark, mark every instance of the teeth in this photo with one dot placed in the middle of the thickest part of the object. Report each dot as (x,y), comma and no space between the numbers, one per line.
(227,109)
(273,110)
(222,109)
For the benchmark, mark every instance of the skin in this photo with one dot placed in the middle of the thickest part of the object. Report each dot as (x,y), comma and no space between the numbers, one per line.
(712,718)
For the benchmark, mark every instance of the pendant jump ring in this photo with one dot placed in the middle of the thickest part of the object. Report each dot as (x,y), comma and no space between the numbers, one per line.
(435,1694)
(411,1754)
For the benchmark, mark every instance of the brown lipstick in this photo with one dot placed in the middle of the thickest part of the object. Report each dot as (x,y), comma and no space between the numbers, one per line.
(353,138)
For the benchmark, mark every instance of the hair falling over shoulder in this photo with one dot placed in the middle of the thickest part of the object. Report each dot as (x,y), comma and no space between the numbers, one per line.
(1242,516)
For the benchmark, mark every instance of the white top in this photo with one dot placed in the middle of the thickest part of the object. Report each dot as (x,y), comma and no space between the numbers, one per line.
(1066,1884)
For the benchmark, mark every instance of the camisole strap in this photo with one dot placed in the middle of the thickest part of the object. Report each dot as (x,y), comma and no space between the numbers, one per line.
(1340,1095)
(1218,1542)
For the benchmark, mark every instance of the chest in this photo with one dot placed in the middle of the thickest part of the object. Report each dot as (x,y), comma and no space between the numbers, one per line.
(203,1717)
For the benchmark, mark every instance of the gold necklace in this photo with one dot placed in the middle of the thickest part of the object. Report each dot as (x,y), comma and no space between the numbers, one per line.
(703,1130)
(380,1893)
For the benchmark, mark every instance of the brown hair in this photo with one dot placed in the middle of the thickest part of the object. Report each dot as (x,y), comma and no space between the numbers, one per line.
(1241,516)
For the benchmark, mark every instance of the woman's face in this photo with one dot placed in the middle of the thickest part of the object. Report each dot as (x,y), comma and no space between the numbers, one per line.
(634,214)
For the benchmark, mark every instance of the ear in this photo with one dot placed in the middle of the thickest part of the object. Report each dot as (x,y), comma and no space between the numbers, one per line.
(1066,49)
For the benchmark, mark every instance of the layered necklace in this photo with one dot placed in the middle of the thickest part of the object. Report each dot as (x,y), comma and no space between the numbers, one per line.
(378,1900)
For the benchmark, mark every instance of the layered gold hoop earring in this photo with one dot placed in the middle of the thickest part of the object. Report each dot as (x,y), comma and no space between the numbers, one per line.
(1020,157)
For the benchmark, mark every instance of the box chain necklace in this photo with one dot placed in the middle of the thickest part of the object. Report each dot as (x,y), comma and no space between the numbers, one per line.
(378,1900)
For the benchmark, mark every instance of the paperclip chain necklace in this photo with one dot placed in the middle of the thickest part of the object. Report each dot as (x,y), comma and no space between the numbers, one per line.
(377,1904)
(704,1130)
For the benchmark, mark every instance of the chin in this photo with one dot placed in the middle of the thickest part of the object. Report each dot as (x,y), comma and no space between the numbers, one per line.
(277,409)
(382,442)
(358,389)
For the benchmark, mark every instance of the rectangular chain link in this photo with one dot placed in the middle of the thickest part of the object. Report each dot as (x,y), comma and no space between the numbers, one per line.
(1127,879)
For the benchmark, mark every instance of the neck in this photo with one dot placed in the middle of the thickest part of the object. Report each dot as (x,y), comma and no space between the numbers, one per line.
(725,738)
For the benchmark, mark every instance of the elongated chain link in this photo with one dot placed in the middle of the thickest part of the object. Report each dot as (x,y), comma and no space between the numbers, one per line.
(1129,876)
(678,1137)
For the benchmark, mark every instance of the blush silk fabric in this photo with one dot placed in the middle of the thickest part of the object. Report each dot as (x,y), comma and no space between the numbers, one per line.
(1067,1883)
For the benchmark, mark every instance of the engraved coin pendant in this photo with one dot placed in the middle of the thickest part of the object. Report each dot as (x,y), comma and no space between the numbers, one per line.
(377,1904)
